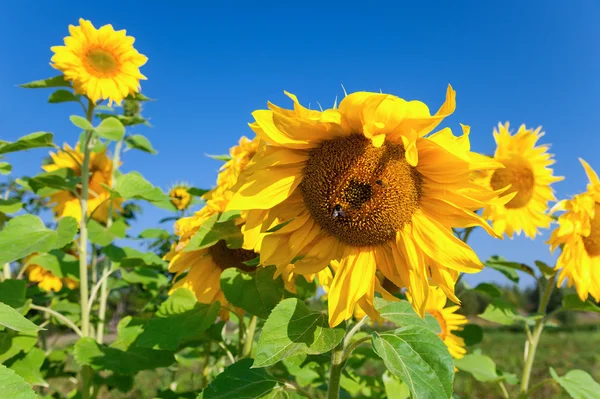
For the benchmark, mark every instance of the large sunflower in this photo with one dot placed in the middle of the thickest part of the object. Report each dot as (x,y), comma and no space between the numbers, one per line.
(578,233)
(66,202)
(362,185)
(527,172)
(448,320)
(204,266)
(101,63)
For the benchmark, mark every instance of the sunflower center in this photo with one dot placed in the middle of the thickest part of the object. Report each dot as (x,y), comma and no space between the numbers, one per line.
(441,321)
(517,172)
(100,61)
(359,193)
(226,257)
(591,243)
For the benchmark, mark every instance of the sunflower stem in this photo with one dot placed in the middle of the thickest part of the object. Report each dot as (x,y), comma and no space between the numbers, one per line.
(335,373)
(537,333)
(249,337)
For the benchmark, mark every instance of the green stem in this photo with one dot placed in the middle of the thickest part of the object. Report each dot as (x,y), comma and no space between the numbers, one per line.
(6,271)
(58,316)
(94,265)
(335,374)
(539,385)
(504,391)
(247,351)
(537,333)
(353,346)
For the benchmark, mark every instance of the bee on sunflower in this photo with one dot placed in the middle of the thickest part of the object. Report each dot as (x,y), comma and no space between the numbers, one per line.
(368,186)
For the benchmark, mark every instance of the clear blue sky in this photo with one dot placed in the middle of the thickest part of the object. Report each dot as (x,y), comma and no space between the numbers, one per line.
(534,62)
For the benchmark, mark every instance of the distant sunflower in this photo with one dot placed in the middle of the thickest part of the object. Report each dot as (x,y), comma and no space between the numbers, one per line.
(66,202)
(526,170)
(578,233)
(180,196)
(44,278)
(204,266)
(101,63)
(363,186)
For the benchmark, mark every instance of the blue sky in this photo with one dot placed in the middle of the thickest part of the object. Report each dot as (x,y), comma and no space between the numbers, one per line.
(209,67)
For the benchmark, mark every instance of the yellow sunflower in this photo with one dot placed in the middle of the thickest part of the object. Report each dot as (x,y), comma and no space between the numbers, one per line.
(363,186)
(204,266)
(578,233)
(180,196)
(65,202)
(527,172)
(101,63)
(45,280)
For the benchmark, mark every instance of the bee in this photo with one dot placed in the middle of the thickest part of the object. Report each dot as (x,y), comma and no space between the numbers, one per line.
(338,211)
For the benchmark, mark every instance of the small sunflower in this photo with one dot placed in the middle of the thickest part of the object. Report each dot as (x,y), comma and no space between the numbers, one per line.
(364,186)
(527,172)
(578,233)
(66,202)
(45,280)
(101,63)
(204,266)
(180,196)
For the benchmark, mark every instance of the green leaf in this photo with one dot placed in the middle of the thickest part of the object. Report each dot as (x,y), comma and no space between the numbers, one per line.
(130,257)
(394,388)
(546,270)
(12,319)
(138,97)
(304,289)
(256,292)
(228,215)
(148,278)
(88,352)
(500,311)
(33,140)
(480,366)
(212,232)
(140,142)
(509,269)
(402,314)
(489,289)
(293,329)
(58,263)
(5,168)
(10,206)
(168,330)
(101,235)
(154,233)
(56,81)
(133,186)
(578,384)
(58,180)
(28,366)
(63,96)
(14,386)
(198,192)
(419,358)
(81,122)
(12,343)
(26,234)
(111,129)
(471,333)
(12,292)
(241,381)
(224,157)
(572,302)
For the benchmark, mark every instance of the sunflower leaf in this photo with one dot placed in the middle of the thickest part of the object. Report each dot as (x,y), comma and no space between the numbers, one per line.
(213,231)
(481,367)
(12,343)
(12,292)
(14,386)
(293,329)
(240,380)
(33,140)
(81,122)
(402,314)
(546,270)
(133,186)
(48,183)
(509,269)
(224,157)
(500,311)
(12,319)
(572,302)
(255,292)
(56,81)
(141,143)
(10,206)
(419,358)
(198,192)
(28,366)
(578,384)
(5,168)
(471,333)
(26,234)
(102,235)
(63,96)
(57,262)
(110,129)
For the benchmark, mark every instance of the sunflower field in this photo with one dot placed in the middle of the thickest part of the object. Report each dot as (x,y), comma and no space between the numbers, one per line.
(326,261)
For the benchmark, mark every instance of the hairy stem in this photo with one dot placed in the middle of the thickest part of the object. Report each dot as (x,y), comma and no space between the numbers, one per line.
(249,340)
(335,373)
(537,333)
(59,317)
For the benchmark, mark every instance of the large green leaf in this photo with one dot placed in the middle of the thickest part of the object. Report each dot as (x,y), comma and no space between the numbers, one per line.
(213,231)
(12,343)
(28,366)
(140,142)
(102,235)
(63,96)
(419,358)
(10,206)
(394,388)
(471,333)
(14,386)
(5,168)
(578,384)
(256,292)
(241,381)
(48,183)
(130,257)
(56,81)
(148,278)
(508,268)
(110,129)
(402,314)
(32,140)
(101,357)
(500,311)
(480,366)
(572,302)
(177,322)
(133,186)
(26,234)
(12,319)
(293,329)
(153,232)
(12,292)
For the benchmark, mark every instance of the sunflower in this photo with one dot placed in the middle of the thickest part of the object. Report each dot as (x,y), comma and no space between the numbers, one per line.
(180,196)
(578,233)
(527,174)
(66,202)
(101,63)
(44,278)
(204,266)
(364,186)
